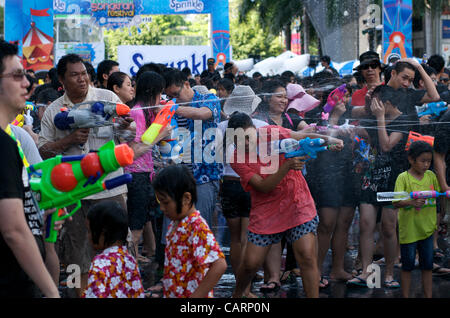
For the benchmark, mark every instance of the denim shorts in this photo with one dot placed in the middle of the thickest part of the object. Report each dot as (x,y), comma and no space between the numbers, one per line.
(291,235)
(408,254)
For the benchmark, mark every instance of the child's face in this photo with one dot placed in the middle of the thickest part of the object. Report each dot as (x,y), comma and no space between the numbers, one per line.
(422,163)
(169,207)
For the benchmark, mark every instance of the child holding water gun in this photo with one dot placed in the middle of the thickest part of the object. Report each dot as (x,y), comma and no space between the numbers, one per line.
(114,272)
(417,217)
(194,262)
(282,206)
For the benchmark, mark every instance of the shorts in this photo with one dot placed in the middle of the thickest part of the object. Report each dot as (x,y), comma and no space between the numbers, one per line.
(75,246)
(291,235)
(408,254)
(141,202)
(236,203)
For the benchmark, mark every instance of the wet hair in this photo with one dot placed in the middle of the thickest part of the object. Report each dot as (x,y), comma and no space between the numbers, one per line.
(6,49)
(401,66)
(240,120)
(174,181)
(417,77)
(104,67)
(174,77)
(417,148)
(71,58)
(385,93)
(148,86)
(110,219)
(116,78)
(437,62)
(149,67)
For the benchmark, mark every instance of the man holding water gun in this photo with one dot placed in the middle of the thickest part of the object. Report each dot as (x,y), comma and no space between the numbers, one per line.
(22,268)
(53,141)
(203,109)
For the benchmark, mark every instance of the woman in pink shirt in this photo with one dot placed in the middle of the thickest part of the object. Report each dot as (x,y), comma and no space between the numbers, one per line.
(282,205)
(141,199)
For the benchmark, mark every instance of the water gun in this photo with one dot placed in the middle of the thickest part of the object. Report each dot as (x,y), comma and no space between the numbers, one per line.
(98,114)
(413,136)
(433,109)
(18,121)
(363,149)
(63,181)
(400,196)
(298,148)
(163,118)
(29,106)
(337,95)
(344,126)
(171,147)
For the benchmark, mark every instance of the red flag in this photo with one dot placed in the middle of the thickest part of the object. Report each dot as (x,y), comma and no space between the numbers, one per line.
(40,13)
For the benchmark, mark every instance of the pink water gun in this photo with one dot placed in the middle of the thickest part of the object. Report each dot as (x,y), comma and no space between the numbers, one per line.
(337,95)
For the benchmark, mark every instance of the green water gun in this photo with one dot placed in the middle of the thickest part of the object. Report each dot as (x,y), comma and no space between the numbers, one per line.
(63,181)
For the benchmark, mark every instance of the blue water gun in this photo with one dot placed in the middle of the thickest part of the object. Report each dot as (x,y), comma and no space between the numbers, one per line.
(433,109)
(298,148)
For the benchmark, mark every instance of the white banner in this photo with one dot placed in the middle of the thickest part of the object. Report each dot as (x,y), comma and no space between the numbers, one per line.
(132,57)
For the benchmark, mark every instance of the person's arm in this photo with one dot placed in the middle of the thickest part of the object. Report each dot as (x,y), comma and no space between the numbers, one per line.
(387,142)
(415,203)
(17,235)
(202,113)
(440,169)
(337,144)
(211,278)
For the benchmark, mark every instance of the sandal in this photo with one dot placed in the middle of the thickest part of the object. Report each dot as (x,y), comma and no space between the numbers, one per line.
(323,283)
(290,276)
(438,253)
(359,282)
(392,284)
(440,271)
(265,288)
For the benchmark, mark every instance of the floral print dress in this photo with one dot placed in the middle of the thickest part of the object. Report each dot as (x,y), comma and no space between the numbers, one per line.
(114,274)
(191,248)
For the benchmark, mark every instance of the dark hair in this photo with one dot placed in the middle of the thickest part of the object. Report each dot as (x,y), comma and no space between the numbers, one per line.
(386,93)
(268,88)
(447,71)
(110,219)
(174,181)
(419,147)
(104,67)
(116,78)
(240,120)
(187,71)
(148,86)
(256,74)
(175,77)
(150,67)
(417,77)
(325,59)
(228,66)
(71,58)
(229,76)
(32,81)
(437,62)
(227,84)
(47,95)
(91,71)
(6,49)
(401,66)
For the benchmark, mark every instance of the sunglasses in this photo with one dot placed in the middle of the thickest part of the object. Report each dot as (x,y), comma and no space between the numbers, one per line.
(373,66)
(17,75)
(444,80)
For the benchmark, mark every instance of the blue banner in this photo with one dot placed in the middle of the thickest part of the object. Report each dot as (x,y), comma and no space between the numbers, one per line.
(446,29)
(397,29)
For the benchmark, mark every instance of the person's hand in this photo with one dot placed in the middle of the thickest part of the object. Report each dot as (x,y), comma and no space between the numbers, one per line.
(165,132)
(79,136)
(58,224)
(335,144)
(411,61)
(296,163)
(425,120)
(28,118)
(124,122)
(377,107)
(418,203)
(140,149)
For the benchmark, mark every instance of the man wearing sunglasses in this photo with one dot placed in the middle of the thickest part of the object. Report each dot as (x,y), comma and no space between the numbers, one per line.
(370,68)
(21,241)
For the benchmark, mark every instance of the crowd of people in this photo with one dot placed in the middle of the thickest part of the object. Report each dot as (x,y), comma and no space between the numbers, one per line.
(168,212)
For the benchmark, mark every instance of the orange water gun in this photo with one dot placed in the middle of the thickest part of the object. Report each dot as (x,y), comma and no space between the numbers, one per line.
(163,118)
(413,136)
